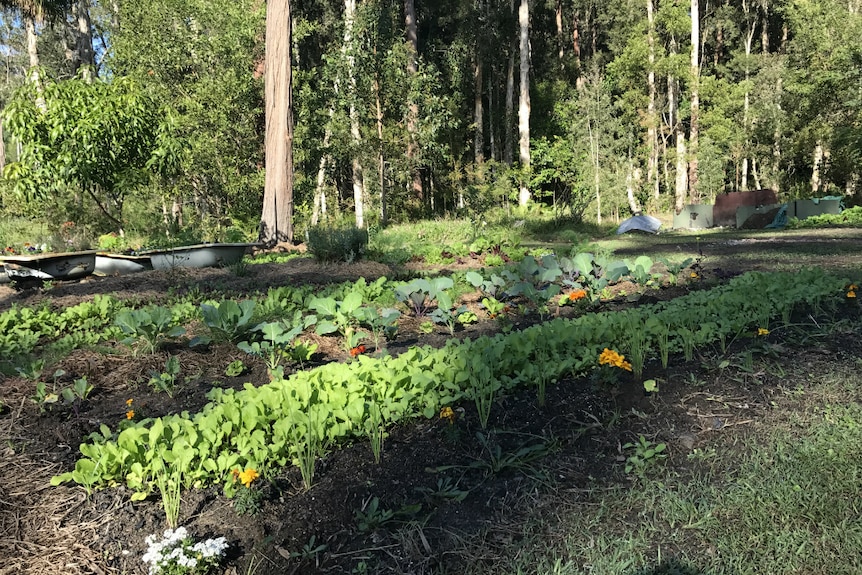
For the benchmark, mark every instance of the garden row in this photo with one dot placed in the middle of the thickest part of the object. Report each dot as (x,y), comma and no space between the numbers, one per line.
(294,420)
(334,309)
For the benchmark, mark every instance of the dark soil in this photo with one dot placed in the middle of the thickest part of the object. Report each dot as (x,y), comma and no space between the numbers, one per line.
(572,444)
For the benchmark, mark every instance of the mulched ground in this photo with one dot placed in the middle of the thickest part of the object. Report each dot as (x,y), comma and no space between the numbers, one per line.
(564,447)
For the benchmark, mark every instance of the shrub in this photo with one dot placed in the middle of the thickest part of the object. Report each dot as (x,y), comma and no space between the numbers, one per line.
(337,244)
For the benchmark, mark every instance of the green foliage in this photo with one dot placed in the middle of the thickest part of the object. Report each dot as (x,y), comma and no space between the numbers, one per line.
(102,139)
(421,295)
(277,344)
(645,454)
(372,516)
(293,420)
(337,244)
(235,368)
(148,327)
(167,379)
(227,320)
(851,217)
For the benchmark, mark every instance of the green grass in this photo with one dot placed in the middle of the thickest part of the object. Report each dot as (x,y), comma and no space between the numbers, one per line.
(783,500)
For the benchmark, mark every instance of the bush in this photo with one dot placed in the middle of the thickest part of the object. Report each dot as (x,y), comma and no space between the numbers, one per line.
(337,244)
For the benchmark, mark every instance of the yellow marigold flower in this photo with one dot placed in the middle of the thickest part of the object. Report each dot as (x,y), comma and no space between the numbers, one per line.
(852,287)
(694,275)
(129,402)
(762,331)
(247,476)
(130,414)
(625,365)
(851,294)
(447,413)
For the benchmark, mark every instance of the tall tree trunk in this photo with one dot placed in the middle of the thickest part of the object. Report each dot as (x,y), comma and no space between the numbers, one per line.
(277,215)
(84,53)
(776,140)
(594,153)
(33,54)
(319,207)
(561,43)
(746,144)
(817,167)
(633,180)
(479,136)
(2,148)
(381,160)
(681,184)
(492,138)
(508,144)
(413,107)
(358,175)
(652,118)
(764,29)
(695,100)
(524,102)
(576,48)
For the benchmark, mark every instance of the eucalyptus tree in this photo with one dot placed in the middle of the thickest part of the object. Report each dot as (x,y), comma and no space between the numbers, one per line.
(276,221)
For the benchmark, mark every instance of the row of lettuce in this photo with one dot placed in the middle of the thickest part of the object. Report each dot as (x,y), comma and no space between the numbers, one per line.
(294,420)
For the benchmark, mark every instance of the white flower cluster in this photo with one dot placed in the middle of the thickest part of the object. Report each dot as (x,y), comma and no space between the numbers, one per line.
(175,554)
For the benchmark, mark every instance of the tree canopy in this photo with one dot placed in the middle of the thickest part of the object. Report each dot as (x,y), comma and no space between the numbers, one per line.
(433,124)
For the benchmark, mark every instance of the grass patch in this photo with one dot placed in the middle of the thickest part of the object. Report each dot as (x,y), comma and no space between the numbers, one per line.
(781,500)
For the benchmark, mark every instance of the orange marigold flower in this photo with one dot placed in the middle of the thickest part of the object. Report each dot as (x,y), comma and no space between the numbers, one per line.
(615,359)
(577,294)
(357,350)
(130,414)
(851,294)
(129,402)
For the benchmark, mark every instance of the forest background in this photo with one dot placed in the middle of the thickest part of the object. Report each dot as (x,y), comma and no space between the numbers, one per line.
(415,109)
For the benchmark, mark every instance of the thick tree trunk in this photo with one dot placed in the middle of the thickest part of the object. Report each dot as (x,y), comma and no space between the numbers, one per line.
(413,107)
(276,223)
(524,102)
(695,101)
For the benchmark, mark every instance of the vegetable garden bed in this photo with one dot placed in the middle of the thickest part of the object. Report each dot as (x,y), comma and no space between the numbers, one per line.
(389,463)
